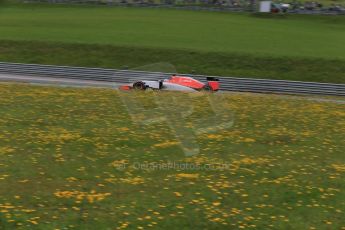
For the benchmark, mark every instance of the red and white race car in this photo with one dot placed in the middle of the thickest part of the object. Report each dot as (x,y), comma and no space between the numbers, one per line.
(176,83)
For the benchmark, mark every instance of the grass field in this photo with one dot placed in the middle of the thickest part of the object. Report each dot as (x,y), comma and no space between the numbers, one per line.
(169,60)
(315,36)
(308,48)
(69,160)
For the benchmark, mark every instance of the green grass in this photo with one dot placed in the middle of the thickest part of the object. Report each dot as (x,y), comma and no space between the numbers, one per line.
(303,36)
(62,152)
(293,47)
(172,60)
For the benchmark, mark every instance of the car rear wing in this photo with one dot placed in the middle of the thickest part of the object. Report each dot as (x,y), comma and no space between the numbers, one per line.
(212,79)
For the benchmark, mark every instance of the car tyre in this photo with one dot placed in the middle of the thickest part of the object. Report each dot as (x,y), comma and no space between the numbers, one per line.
(139,85)
(207,88)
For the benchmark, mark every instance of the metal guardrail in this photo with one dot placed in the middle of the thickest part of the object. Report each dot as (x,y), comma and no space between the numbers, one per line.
(126,76)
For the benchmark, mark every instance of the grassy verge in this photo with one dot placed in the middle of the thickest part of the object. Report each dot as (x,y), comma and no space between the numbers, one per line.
(312,36)
(69,160)
(292,47)
(210,63)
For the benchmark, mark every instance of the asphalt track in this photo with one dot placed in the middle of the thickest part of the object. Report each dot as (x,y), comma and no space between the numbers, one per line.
(116,76)
(56,81)
(51,81)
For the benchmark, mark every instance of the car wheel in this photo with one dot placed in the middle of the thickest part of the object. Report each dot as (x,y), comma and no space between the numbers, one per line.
(207,88)
(139,85)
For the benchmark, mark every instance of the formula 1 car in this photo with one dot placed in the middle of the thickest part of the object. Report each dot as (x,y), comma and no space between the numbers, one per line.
(176,83)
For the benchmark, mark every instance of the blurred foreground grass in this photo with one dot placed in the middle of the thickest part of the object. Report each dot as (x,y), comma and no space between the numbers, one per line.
(75,159)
